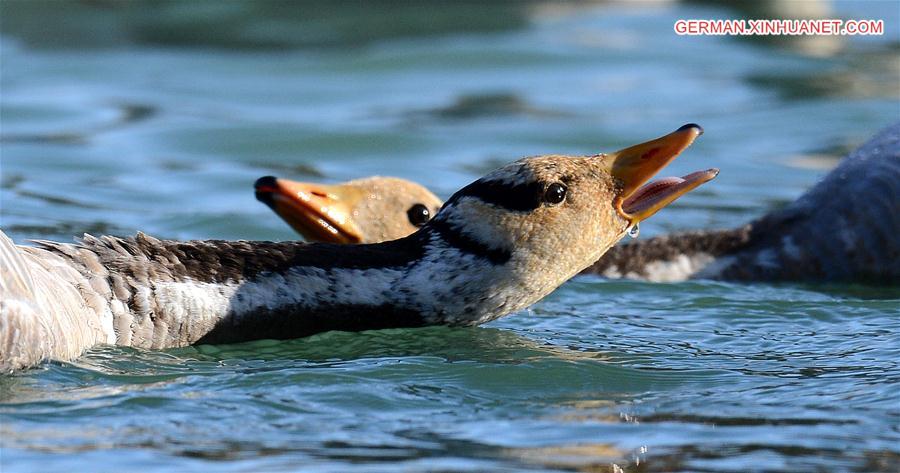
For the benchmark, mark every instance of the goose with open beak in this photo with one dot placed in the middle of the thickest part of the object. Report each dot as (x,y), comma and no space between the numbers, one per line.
(843,229)
(496,246)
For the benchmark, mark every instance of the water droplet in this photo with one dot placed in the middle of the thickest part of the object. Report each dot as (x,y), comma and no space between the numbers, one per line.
(633,230)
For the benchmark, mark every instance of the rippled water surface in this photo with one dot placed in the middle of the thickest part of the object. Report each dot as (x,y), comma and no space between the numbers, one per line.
(118,117)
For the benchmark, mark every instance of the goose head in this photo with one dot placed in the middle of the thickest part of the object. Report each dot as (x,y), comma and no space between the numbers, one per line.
(368,210)
(548,217)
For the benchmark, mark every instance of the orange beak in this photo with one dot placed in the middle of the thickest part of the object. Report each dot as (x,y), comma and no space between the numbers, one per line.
(635,165)
(318,212)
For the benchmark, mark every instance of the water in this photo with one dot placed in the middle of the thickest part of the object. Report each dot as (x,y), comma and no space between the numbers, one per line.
(162,120)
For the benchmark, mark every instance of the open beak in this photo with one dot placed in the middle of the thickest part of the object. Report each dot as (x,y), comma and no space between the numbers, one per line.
(635,165)
(318,212)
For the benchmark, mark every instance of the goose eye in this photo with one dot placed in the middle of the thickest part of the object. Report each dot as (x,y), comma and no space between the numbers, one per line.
(418,215)
(555,193)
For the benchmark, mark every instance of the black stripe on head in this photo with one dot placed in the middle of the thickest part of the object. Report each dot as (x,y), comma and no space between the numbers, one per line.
(466,244)
(514,197)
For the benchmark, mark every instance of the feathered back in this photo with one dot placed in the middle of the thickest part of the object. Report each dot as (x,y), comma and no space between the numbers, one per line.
(43,313)
(15,279)
(843,229)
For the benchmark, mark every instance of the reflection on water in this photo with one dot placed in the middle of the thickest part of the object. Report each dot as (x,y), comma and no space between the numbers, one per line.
(159,116)
(469,107)
(128,114)
(582,457)
(862,75)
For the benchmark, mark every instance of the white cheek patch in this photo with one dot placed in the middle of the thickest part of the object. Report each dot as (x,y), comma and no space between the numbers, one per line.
(482,222)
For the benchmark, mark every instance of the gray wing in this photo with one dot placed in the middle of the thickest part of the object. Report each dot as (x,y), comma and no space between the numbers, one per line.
(846,228)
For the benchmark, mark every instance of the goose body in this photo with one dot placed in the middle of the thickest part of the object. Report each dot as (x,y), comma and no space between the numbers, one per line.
(843,229)
(497,246)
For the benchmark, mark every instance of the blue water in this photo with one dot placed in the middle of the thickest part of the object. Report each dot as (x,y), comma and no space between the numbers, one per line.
(119,117)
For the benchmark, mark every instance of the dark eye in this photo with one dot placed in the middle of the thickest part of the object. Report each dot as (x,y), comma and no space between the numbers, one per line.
(555,193)
(418,215)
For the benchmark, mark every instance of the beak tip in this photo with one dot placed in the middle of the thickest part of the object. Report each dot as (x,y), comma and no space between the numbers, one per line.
(698,128)
(265,182)
(266,198)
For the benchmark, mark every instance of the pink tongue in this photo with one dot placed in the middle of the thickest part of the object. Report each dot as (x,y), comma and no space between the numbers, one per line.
(650,193)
